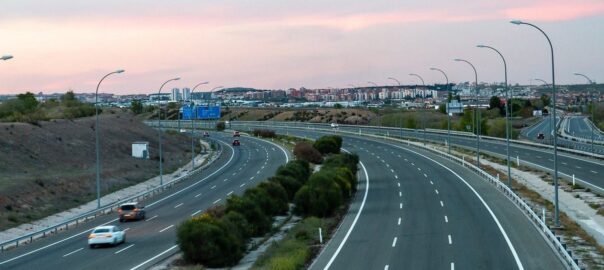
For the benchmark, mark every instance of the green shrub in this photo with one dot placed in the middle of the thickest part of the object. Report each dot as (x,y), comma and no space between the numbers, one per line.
(264,133)
(264,200)
(349,161)
(328,144)
(236,223)
(220,126)
(259,222)
(206,240)
(320,197)
(277,194)
(298,169)
(289,183)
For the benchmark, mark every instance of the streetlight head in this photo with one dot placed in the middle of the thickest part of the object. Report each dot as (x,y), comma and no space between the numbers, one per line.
(6,57)
(577,74)
(457,59)
(480,46)
(517,22)
(176,79)
(120,71)
(433,68)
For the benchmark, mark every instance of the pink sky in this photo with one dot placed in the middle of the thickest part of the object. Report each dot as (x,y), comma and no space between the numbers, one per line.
(61,45)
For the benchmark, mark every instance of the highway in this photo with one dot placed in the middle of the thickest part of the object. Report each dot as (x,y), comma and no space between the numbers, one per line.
(414,210)
(585,169)
(574,125)
(581,127)
(544,127)
(154,239)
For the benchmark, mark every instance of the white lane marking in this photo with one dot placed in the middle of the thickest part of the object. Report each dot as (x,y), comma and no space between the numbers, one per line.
(446,219)
(126,229)
(425,175)
(197,195)
(178,205)
(564,163)
(396,176)
(387,165)
(400,206)
(412,163)
(594,172)
(154,257)
(242,185)
(431,183)
(385,267)
(399,221)
(196,212)
(225,180)
(394,242)
(216,201)
(392,170)
(124,249)
(229,194)
(399,155)
(419,169)
(234,173)
(252,178)
(398,184)
(400,194)
(577,167)
(72,252)
(436,190)
(258,172)
(442,204)
(162,230)
(213,187)
(406,160)
(450,241)
(354,222)
(452,266)
(149,219)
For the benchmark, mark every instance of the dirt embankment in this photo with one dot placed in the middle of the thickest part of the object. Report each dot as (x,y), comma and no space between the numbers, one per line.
(332,115)
(49,167)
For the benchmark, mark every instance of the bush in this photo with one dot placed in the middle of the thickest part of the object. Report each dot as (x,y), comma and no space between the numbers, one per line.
(305,151)
(298,169)
(277,194)
(206,240)
(264,133)
(321,197)
(259,222)
(266,203)
(220,126)
(349,161)
(235,222)
(328,144)
(290,184)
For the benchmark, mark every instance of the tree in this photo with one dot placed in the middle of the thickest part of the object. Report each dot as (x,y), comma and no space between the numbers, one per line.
(220,126)
(305,151)
(28,102)
(494,103)
(338,106)
(137,106)
(546,100)
(328,144)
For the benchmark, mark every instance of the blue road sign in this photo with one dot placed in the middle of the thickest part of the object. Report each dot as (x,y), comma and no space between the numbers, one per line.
(201,112)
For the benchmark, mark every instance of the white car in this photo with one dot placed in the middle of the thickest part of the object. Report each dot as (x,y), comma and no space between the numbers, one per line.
(112,235)
(334,125)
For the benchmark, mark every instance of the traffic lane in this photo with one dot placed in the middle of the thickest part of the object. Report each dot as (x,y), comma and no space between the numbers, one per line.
(429,237)
(368,246)
(60,240)
(66,246)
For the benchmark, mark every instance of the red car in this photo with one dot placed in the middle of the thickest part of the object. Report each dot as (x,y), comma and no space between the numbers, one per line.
(236,143)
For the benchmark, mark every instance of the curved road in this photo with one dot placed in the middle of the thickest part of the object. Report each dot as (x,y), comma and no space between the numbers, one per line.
(154,239)
(423,212)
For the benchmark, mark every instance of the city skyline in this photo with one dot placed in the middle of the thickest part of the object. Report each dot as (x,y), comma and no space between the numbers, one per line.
(272,45)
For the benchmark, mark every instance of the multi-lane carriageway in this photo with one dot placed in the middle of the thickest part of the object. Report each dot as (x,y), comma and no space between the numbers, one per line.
(153,239)
(413,210)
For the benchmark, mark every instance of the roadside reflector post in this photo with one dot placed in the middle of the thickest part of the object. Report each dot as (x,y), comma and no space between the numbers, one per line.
(543,218)
(320,236)
(573,181)
(518,161)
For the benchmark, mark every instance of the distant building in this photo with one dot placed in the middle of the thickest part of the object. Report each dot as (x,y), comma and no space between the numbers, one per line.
(186,93)
(175,95)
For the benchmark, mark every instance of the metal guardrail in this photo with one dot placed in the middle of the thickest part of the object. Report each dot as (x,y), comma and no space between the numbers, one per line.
(76,221)
(553,240)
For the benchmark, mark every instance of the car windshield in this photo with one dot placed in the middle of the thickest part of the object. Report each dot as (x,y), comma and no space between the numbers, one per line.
(103,230)
(127,207)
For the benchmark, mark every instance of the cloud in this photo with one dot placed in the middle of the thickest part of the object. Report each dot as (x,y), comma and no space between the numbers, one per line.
(556,11)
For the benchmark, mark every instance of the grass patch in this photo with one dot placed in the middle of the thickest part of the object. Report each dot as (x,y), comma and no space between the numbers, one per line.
(297,248)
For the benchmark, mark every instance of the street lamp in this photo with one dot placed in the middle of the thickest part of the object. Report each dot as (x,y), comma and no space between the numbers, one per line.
(423,104)
(96,135)
(593,130)
(192,126)
(507,114)
(447,105)
(370,82)
(6,57)
(394,79)
(557,213)
(476,111)
(161,168)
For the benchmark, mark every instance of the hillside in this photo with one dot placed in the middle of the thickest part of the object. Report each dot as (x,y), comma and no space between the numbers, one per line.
(344,116)
(50,166)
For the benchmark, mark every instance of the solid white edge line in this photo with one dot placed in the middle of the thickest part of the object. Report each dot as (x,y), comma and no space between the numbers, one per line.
(354,222)
(154,257)
(501,229)
(119,251)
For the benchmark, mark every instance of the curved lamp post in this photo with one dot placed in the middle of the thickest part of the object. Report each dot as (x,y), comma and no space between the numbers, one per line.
(192,125)
(374,84)
(557,212)
(161,166)
(96,135)
(423,104)
(448,114)
(476,111)
(394,79)
(507,114)
(593,130)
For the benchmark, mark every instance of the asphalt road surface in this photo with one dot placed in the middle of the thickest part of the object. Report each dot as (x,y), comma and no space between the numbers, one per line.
(153,239)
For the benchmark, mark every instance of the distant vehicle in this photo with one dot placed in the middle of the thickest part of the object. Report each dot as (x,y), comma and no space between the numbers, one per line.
(206,134)
(540,136)
(236,134)
(182,130)
(131,211)
(236,143)
(334,125)
(103,235)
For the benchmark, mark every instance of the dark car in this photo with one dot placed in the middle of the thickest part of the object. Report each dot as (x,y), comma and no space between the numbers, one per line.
(206,134)
(236,143)
(131,211)
(540,136)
